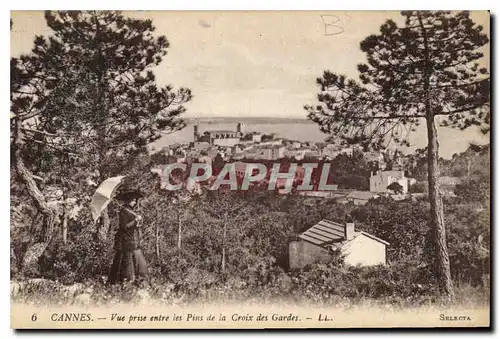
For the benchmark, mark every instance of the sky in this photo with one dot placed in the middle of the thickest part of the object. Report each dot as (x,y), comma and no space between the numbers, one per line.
(253,64)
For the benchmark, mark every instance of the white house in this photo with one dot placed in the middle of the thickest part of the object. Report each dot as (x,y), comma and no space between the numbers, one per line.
(316,243)
(381,179)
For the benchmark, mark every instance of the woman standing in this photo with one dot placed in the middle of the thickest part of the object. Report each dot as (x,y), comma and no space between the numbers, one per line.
(129,263)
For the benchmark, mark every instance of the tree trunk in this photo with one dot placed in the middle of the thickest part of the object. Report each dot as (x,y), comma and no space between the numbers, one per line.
(65,229)
(437,214)
(64,216)
(99,106)
(64,224)
(40,239)
(179,232)
(37,196)
(223,266)
(157,241)
(26,177)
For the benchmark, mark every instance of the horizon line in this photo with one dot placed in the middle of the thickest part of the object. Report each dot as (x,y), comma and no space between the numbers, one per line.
(244,116)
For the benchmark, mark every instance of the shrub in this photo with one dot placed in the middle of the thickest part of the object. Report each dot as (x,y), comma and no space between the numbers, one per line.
(82,258)
(418,187)
(322,282)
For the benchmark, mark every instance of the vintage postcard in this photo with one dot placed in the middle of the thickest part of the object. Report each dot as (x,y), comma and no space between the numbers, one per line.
(241,169)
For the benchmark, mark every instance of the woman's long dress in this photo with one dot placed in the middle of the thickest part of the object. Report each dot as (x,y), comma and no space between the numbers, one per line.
(129,263)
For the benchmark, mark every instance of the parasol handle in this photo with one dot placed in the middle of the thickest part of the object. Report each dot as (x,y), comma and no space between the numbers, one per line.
(127,209)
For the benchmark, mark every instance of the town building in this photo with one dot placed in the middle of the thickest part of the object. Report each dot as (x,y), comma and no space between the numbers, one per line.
(297,153)
(317,243)
(263,153)
(273,142)
(274,152)
(201,145)
(330,152)
(222,137)
(380,180)
(298,179)
(347,151)
(218,137)
(213,151)
(225,138)
(251,153)
(240,168)
(205,159)
(295,144)
(256,137)
(312,154)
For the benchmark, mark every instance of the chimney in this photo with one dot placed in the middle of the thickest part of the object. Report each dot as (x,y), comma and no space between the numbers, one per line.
(349,229)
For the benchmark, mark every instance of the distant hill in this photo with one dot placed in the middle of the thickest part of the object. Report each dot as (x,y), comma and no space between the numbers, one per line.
(246,120)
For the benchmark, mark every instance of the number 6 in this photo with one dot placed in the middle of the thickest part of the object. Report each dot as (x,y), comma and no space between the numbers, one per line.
(33,317)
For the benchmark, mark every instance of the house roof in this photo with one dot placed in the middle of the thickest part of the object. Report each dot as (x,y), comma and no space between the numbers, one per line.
(324,232)
(328,232)
(374,238)
(362,195)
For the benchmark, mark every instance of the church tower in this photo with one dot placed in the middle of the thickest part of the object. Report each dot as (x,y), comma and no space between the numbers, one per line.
(195,133)
(240,128)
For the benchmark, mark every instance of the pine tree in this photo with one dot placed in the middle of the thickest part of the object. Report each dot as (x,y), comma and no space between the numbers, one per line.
(87,93)
(123,109)
(425,70)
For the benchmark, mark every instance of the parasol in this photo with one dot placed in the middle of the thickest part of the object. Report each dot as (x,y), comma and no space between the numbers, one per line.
(103,195)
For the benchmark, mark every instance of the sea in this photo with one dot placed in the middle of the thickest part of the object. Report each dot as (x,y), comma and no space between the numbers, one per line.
(451,140)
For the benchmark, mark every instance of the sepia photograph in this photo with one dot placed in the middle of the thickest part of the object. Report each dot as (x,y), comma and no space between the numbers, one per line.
(250,169)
